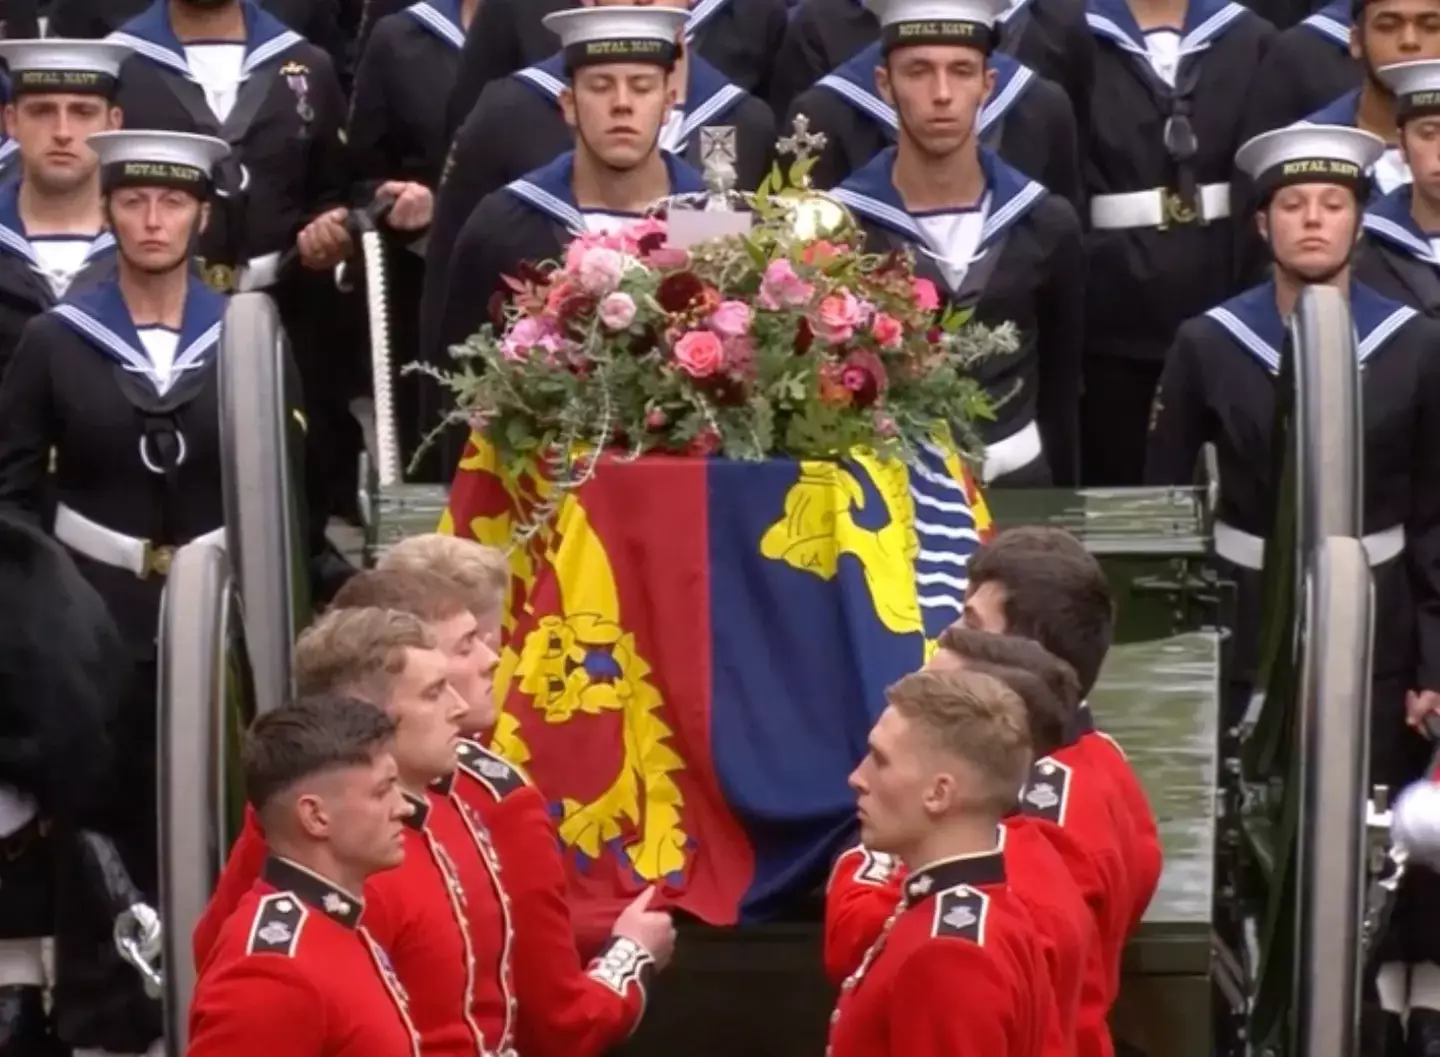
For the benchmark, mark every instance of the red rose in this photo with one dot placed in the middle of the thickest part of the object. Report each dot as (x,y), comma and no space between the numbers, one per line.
(804,337)
(864,376)
(677,292)
(706,442)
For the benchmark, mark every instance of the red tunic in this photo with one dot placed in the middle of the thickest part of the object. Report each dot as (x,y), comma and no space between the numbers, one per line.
(565,1011)
(957,971)
(293,973)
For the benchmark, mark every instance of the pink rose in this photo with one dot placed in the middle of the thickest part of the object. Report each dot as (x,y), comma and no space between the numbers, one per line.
(927,298)
(617,311)
(528,334)
(837,317)
(699,353)
(731,319)
(668,259)
(656,419)
(782,288)
(887,331)
(599,271)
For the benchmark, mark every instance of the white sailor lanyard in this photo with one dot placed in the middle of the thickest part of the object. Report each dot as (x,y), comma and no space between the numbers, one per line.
(101,318)
(1254,322)
(14,242)
(267,39)
(1388,223)
(1205,22)
(854,82)
(1010,196)
(709,96)
(550,189)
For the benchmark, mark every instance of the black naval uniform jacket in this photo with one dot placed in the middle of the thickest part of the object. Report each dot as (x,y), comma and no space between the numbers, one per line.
(1029,270)
(133,455)
(397,130)
(1305,67)
(25,291)
(1049,36)
(738,37)
(1027,120)
(517,127)
(1218,388)
(1152,266)
(286,129)
(531,219)
(1395,259)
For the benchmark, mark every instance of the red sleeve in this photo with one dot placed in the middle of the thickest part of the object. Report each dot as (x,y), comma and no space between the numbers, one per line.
(565,1011)
(1147,859)
(863,891)
(258,1004)
(242,869)
(931,1023)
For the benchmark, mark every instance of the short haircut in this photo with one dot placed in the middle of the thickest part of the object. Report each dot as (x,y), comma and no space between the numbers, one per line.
(482,572)
(1062,687)
(976,718)
(1055,593)
(426,595)
(327,732)
(357,652)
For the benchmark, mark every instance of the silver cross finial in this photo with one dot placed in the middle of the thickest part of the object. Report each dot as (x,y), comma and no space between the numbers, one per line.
(801,142)
(718,153)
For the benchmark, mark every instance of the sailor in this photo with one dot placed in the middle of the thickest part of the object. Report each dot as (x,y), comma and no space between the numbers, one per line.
(119,383)
(297,971)
(739,38)
(1027,120)
(1305,67)
(620,63)
(518,125)
(52,229)
(1173,80)
(1398,258)
(990,238)
(1049,36)
(945,761)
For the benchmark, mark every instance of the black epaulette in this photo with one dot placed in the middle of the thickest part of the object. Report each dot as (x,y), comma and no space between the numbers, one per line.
(276,928)
(960,914)
(490,769)
(1048,791)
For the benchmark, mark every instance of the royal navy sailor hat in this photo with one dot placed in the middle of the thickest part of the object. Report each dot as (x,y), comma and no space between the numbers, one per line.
(88,67)
(151,158)
(966,23)
(593,35)
(1303,153)
(1416,86)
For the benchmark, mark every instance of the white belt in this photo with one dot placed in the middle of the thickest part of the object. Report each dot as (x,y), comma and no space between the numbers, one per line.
(1247,551)
(1157,208)
(109,547)
(259,273)
(1012,453)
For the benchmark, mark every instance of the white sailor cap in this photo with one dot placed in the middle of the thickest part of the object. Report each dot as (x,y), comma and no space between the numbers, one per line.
(1416,86)
(149,158)
(968,23)
(89,67)
(1303,153)
(593,35)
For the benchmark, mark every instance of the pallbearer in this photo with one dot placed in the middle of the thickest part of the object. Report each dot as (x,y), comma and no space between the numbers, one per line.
(1218,388)
(119,381)
(52,230)
(620,64)
(1398,257)
(988,237)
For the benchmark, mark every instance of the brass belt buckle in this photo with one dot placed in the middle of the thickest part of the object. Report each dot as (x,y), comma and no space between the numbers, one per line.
(156,561)
(1176,211)
(219,277)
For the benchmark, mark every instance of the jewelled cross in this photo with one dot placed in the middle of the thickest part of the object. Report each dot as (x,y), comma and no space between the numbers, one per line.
(801,142)
(718,154)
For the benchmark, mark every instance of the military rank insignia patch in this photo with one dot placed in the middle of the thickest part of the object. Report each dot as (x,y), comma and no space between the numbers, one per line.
(494,772)
(960,914)
(1047,791)
(276,928)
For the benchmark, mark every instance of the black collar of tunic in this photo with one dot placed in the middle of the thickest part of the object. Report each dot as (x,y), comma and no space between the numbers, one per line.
(310,888)
(986,868)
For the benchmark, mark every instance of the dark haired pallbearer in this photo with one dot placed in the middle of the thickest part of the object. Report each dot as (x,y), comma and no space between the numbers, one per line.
(1218,388)
(52,231)
(1398,258)
(620,65)
(296,973)
(991,239)
(117,388)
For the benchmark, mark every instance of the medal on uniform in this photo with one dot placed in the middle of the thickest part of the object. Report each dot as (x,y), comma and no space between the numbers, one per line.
(297,76)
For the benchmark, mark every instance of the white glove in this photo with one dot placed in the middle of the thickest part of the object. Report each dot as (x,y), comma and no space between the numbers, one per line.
(1415,822)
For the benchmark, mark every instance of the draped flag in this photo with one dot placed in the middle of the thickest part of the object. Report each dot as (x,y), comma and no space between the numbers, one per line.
(696,650)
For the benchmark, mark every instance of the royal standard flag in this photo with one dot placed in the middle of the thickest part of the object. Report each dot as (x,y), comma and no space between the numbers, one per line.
(696,650)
